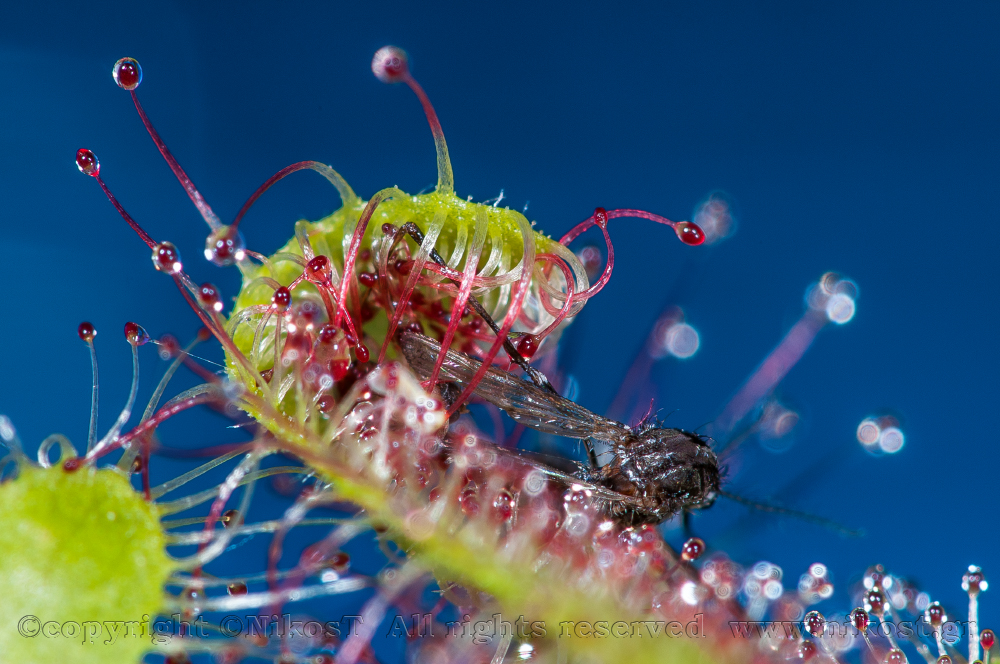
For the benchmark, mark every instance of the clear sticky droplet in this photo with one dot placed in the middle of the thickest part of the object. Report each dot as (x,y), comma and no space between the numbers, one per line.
(814,623)
(693,549)
(390,64)
(225,246)
(209,297)
(127,73)
(166,258)
(87,162)
(135,334)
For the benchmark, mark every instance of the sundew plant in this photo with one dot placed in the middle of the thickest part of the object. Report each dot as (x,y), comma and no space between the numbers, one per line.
(474,551)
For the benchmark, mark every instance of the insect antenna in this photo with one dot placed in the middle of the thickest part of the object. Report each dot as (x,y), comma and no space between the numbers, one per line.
(802,516)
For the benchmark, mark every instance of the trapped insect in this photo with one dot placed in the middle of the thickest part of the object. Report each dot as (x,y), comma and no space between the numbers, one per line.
(654,473)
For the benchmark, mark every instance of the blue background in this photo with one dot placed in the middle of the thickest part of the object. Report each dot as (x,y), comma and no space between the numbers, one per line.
(850,137)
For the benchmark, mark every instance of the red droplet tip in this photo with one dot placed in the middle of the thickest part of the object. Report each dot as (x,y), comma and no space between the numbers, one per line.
(237,588)
(527,346)
(361,351)
(127,73)
(225,246)
(281,299)
(166,258)
(135,334)
(327,333)
(208,296)
(326,403)
(601,217)
(390,64)
(168,346)
(87,162)
(86,331)
(689,233)
(318,269)
(935,614)
(859,618)
(349,336)
(814,623)
(692,549)
(894,656)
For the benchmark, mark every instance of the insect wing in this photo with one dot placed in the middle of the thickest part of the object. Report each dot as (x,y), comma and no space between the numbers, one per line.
(611,501)
(526,404)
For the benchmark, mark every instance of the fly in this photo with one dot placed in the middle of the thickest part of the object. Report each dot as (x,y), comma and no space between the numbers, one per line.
(654,473)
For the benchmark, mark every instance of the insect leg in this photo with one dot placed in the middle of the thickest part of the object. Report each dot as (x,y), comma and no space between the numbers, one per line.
(591,454)
(686,527)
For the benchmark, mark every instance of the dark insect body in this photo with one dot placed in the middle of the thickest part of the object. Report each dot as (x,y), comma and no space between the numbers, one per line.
(654,473)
